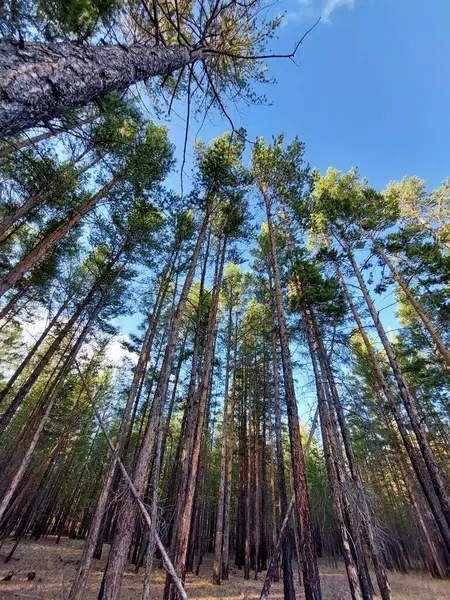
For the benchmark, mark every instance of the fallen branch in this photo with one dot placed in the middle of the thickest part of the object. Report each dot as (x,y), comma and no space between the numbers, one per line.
(166,559)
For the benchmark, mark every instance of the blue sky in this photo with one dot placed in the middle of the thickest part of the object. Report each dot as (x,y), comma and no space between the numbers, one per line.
(372,88)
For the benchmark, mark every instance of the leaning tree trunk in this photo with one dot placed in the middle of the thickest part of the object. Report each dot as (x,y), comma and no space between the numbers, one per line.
(41,81)
(38,198)
(444,351)
(27,262)
(113,576)
(407,397)
(28,384)
(433,555)
(418,466)
(367,525)
(14,147)
(311,578)
(33,350)
(79,583)
(336,477)
(51,403)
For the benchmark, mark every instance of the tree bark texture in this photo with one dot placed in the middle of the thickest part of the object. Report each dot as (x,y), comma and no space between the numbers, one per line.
(41,81)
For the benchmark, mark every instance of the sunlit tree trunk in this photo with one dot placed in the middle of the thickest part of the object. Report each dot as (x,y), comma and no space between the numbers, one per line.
(113,576)
(49,240)
(375,551)
(80,581)
(422,476)
(406,395)
(181,547)
(310,569)
(336,477)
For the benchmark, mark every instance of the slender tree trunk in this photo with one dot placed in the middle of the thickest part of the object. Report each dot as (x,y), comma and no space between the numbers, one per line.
(80,581)
(256,461)
(31,141)
(151,545)
(415,460)
(52,401)
(248,492)
(310,569)
(434,559)
(41,81)
(374,548)
(217,566)
(336,477)
(407,397)
(13,301)
(33,350)
(37,199)
(442,348)
(54,346)
(288,578)
(229,466)
(272,483)
(27,262)
(112,579)
(137,498)
(186,517)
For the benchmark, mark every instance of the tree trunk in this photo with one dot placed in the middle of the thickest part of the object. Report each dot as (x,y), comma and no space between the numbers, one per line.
(186,516)
(28,384)
(407,397)
(25,143)
(37,199)
(374,548)
(229,466)
(27,262)
(217,566)
(112,579)
(79,583)
(422,476)
(434,559)
(41,81)
(336,477)
(310,569)
(33,350)
(52,401)
(151,545)
(288,578)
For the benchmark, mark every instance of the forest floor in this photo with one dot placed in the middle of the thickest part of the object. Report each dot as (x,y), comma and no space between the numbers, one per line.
(54,566)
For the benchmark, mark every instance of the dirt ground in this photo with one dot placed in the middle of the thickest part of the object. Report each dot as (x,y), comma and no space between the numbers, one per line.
(54,566)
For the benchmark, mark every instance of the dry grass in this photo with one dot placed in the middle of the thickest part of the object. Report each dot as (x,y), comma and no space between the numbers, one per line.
(55,567)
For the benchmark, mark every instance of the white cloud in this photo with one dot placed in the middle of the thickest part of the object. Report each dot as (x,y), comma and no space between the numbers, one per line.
(308,10)
(115,351)
(332,5)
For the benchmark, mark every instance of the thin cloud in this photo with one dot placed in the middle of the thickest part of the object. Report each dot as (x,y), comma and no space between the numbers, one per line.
(332,5)
(308,10)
